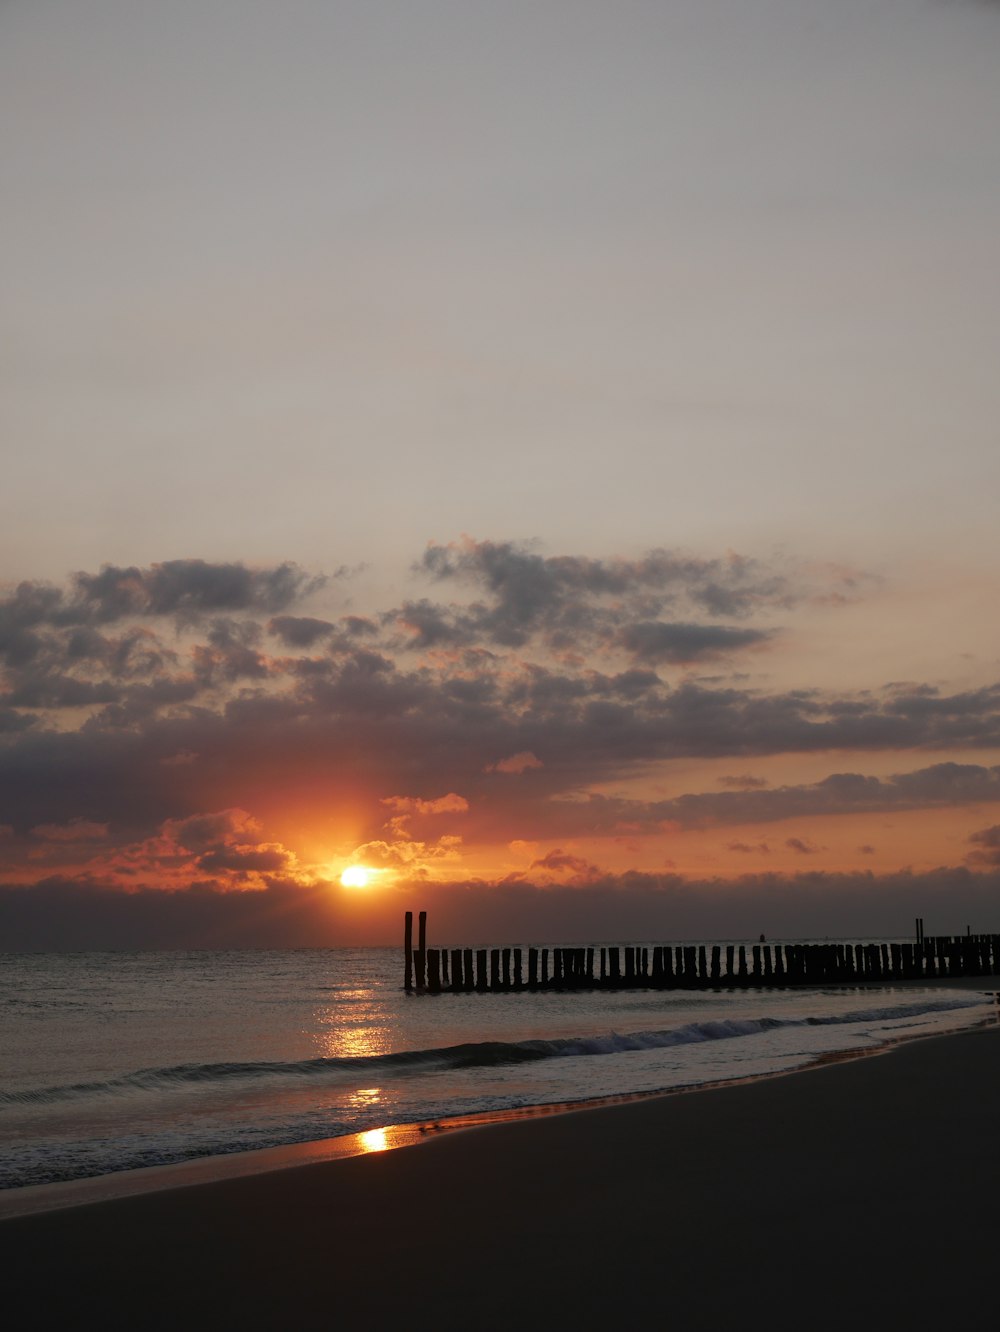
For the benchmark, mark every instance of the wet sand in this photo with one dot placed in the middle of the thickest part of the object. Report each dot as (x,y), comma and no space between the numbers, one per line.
(860,1194)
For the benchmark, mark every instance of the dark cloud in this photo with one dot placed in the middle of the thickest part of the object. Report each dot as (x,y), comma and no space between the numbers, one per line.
(246,859)
(56,653)
(139,724)
(571,601)
(73,832)
(683,643)
(526,585)
(189,587)
(174,588)
(300,631)
(453,721)
(561,861)
(987,843)
(801,847)
(61,913)
(942,785)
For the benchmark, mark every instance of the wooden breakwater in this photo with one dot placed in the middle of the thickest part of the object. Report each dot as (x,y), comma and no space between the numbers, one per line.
(691,966)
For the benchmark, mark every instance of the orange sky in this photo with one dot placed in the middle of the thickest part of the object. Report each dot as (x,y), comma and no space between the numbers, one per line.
(560,723)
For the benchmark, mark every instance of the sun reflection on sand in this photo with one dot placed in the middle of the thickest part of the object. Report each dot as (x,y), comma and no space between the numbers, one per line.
(374,1140)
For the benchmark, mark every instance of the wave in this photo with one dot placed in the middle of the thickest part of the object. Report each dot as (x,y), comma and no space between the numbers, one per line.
(479,1054)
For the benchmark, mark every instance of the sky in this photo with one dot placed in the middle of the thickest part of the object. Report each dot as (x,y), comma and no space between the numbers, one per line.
(543,455)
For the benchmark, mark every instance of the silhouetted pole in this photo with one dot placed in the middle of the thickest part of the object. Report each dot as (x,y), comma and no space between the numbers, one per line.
(434,971)
(421,958)
(408,950)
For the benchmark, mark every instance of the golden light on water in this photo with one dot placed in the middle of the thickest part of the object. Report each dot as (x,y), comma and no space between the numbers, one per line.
(374,1140)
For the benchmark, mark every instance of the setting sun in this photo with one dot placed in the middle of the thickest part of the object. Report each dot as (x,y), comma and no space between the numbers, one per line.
(356,876)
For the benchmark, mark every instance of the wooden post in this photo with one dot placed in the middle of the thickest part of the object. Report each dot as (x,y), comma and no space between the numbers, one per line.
(408,950)
(482,981)
(506,968)
(518,976)
(421,958)
(545,966)
(494,968)
(468,972)
(779,963)
(590,966)
(532,967)
(730,962)
(604,965)
(434,971)
(896,954)
(456,969)
(444,968)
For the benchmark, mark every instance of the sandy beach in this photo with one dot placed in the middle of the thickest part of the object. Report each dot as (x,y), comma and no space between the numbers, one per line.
(859,1193)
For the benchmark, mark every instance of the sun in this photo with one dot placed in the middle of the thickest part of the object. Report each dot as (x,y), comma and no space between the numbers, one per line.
(356,876)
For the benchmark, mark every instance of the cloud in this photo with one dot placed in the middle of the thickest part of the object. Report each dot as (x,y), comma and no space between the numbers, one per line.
(299,630)
(446,804)
(939,785)
(87,912)
(189,587)
(560,861)
(745,848)
(684,643)
(515,764)
(75,831)
(801,847)
(987,842)
(139,724)
(405,853)
(571,602)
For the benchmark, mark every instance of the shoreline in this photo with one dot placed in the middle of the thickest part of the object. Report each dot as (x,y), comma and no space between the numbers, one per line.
(61,1195)
(864,1192)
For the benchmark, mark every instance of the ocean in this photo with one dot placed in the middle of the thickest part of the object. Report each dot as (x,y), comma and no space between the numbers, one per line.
(115,1061)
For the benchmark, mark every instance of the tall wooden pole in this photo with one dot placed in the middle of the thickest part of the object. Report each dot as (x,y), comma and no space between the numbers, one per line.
(421,950)
(408,950)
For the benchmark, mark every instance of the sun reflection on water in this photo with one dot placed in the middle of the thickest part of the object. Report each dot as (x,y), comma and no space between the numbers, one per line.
(365,1097)
(361,1035)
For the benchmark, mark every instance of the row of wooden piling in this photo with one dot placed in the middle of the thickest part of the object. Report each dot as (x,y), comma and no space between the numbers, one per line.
(692,966)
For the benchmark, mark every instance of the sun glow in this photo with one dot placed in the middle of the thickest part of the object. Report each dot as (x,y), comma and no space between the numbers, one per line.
(357,876)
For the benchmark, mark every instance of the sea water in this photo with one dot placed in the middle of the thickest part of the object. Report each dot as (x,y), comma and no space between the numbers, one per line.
(113,1061)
